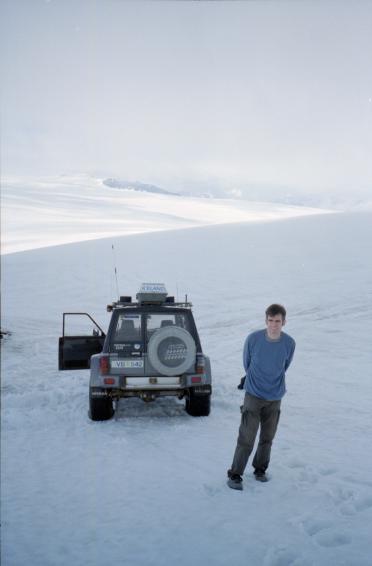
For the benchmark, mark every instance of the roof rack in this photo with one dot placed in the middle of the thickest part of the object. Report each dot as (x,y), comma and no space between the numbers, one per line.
(119,304)
(150,294)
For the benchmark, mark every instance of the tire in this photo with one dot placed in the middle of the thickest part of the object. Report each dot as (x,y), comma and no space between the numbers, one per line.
(171,350)
(100,409)
(198,405)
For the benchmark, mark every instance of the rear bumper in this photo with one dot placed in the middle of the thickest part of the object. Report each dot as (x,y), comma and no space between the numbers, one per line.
(156,382)
(146,391)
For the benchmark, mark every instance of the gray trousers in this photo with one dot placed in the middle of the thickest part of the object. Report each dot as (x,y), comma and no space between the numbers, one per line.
(256,412)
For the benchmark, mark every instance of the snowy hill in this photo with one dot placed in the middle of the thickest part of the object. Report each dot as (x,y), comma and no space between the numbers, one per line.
(50,211)
(148,488)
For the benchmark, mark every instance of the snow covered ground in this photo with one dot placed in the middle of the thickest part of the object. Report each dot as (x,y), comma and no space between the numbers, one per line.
(148,487)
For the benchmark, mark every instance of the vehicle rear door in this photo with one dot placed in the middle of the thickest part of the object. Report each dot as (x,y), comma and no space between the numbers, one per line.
(126,343)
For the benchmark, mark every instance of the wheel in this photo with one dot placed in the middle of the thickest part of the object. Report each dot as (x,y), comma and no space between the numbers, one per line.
(171,350)
(100,409)
(198,405)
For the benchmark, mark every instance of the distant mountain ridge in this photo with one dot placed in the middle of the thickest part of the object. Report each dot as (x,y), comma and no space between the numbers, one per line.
(136,186)
(267,193)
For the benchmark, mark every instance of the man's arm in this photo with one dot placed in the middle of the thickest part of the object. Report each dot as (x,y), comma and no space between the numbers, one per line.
(246,354)
(290,358)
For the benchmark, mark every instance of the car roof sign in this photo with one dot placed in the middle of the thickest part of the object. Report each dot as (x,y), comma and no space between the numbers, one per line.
(152,293)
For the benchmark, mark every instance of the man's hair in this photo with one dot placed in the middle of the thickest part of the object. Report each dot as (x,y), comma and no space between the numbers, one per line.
(274,310)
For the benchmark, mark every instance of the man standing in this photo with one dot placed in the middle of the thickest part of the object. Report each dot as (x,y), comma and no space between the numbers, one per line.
(266,357)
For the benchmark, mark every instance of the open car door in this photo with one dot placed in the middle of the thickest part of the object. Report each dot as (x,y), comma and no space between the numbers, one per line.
(75,351)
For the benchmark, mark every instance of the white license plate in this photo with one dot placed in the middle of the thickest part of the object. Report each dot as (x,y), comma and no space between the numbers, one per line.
(125,364)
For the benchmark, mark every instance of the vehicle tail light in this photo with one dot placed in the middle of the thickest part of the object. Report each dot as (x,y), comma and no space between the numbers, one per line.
(196,379)
(200,363)
(109,381)
(104,364)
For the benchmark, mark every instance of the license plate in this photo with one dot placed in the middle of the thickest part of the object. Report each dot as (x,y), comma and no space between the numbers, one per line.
(125,364)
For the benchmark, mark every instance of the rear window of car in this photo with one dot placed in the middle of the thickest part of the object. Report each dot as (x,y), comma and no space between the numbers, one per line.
(128,328)
(127,333)
(154,321)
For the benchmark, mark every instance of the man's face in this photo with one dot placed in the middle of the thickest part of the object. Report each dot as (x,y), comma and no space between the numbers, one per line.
(274,325)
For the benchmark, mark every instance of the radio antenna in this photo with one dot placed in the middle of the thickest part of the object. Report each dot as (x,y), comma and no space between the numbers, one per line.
(115,271)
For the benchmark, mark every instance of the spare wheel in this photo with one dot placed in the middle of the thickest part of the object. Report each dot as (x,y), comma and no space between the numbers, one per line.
(171,350)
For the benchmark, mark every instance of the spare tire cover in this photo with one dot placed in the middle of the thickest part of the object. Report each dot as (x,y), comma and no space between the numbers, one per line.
(171,350)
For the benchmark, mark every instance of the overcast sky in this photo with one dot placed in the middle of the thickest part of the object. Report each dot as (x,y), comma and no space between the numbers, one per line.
(265,92)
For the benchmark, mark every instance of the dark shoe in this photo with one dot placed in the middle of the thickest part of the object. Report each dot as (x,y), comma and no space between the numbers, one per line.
(260,475)
(235,481)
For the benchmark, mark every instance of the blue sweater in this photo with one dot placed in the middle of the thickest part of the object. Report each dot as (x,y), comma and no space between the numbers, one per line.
(265,362)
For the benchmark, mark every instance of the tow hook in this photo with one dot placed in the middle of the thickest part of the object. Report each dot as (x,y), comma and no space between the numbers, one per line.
(147,397)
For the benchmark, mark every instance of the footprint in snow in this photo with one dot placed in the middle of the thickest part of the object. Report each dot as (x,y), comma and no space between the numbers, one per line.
(315,526)
(330,539)
(327,471)
(295,463)
(284,556)
(363,503)
(212,489)
(351,479)
(305,474)
(323,533)
(356,505)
